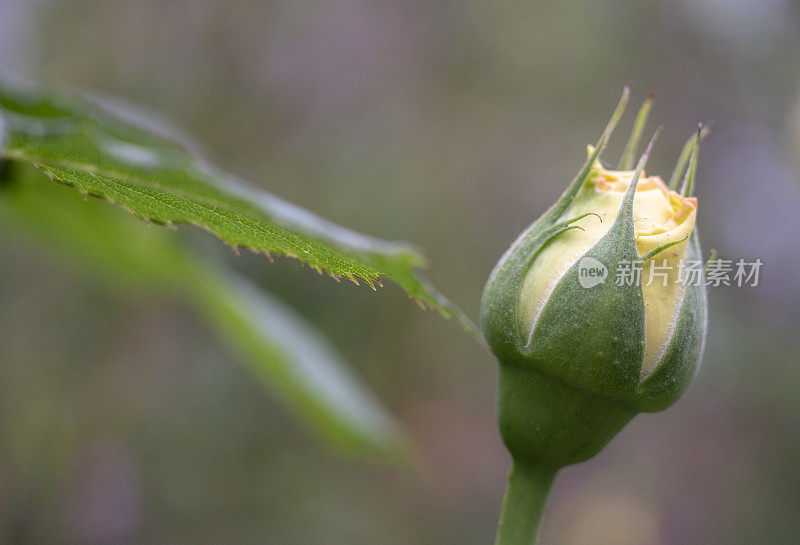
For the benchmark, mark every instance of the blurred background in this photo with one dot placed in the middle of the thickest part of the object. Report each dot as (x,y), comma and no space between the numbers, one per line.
(452,125)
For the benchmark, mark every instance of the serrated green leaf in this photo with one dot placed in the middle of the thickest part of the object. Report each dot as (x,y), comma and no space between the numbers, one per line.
(107,151)
(284,351)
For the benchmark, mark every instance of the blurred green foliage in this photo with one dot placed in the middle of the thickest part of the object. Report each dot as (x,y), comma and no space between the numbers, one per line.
(285,352)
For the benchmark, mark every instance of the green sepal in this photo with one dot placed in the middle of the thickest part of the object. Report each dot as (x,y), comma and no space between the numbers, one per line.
(499,300)
(629,153)
(687,189)
(683,158)
(593,338)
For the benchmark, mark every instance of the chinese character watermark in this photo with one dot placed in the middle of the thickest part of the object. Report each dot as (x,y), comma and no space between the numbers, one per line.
(713,273)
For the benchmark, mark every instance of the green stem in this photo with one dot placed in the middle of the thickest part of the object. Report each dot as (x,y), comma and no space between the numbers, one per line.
(526,495)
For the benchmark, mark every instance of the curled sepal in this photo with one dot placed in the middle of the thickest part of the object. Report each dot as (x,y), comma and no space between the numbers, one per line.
(565,226)
(655,251)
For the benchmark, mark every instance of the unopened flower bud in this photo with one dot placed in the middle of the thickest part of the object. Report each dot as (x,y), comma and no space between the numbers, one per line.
(590,312)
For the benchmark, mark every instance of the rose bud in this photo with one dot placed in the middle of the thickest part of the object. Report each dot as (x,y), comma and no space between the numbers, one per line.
(595,313)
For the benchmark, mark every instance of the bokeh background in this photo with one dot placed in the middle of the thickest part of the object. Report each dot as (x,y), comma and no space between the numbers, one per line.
(450,124)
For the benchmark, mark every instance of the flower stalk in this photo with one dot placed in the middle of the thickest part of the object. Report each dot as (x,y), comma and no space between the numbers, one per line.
(523,506)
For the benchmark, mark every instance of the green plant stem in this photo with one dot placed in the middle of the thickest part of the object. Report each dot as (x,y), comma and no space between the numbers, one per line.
(526,495)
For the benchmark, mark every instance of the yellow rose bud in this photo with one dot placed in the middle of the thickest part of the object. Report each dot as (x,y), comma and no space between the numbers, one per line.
(660,216)
(589,313)
(592,319)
